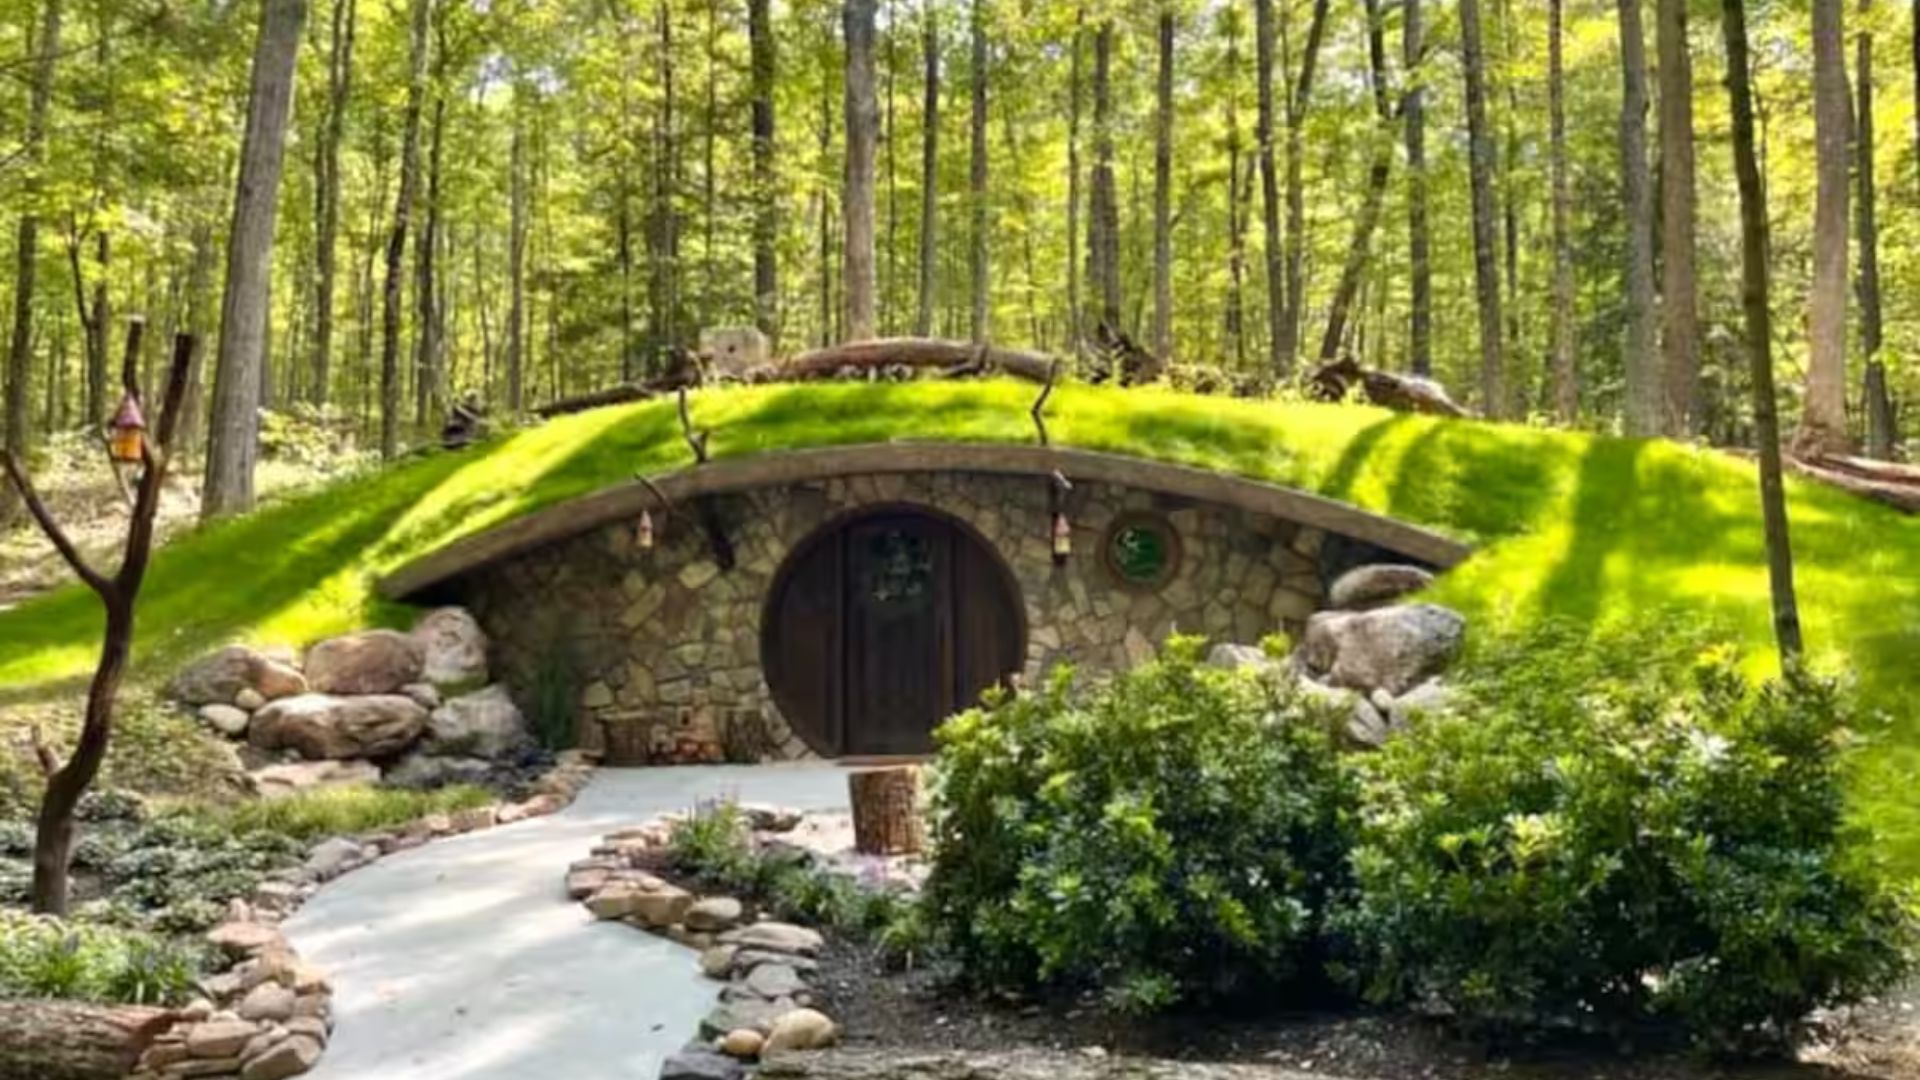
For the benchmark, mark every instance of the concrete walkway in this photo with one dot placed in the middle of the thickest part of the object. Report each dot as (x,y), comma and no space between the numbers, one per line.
(464,959)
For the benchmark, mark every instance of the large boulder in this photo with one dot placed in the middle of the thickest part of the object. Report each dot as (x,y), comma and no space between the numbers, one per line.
(1366,587)
(483,724)
(454,648)
(221,676)
(321,726)
(293,777)
(370,662)
(1393,648)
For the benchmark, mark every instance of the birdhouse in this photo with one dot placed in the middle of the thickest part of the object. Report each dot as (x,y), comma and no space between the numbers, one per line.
(128,440)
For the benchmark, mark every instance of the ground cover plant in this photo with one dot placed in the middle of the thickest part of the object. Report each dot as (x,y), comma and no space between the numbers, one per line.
(53,958)
(1584,527)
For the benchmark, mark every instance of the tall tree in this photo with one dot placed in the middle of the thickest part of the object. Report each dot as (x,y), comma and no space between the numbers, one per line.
(1566,384)
(1237,165)
(326,193)
(1679,307)
(1759,338)
(1378,174)
(664,236)
(419,44)
(766,227)
(977,177)
(1278,358)
(517,251)
(1103,215)
(863,119)
(929,174)
(1874,385)
(1163,189)
(1823,420)
(1645,391)
(233,435)
(1076,325)
(1419,243)
(1486,265)
(27,243)
(1296,239)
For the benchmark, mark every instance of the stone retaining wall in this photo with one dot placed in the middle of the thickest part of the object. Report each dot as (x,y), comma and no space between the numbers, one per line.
(659,651)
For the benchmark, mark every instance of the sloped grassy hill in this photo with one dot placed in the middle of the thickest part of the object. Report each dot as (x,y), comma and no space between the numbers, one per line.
(1589,528)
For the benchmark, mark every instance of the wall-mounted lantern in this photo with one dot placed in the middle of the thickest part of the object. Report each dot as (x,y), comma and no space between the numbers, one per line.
(643,532)
(1062,537)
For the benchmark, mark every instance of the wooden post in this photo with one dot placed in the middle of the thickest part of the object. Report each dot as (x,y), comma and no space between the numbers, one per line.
(886,811)
(65,1040)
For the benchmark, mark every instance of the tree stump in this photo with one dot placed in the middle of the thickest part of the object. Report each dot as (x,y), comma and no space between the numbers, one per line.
(886,811)
(67,1040)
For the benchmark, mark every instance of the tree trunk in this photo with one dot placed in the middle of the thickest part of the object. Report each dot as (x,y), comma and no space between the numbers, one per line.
(929,177)
(1680,323)
(517,255)
(327,194)
(1823,422)
(1296,238)
(1759,318)
(1377,176)
(233,436)
(1566,378)
(1163,193)
(27,245)
(665,288)
(1076,325)
(980,327)
(1645,390)
(1103,224)
(429,350)
(1263,37)
(1235,319)
(1419,245)
(886,811)
(766,238)
(68,1040)
(863,120)
(397,237)
(1874,386)
(1486,266)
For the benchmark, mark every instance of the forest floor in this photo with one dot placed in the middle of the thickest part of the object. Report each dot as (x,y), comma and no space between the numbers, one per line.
(917,1011)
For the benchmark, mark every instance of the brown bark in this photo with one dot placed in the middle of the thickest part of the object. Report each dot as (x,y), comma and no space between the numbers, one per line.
(1263,37)
(1296,239)
(1163,191)
(766,263)
(1361,244)
(429,350)
(1866,223)
(1759,319)
(397,236)
(240,363)
(1235,317)
(1419,244)
(886,811)
(665,234)
(1646,394)
(1823,420)
(27,244)
(1103,213)
(517,255)
(1566,377)
(980,324)
(327,194)
(67,1040)
(929,176)
(1076,324)
(1486,266)
(1679,313)
(862,122)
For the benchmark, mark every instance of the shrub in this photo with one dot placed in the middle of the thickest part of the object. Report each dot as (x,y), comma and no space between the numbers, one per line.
(714,846)
(1619,832)
(338,811)
(1173,834)
(51,958)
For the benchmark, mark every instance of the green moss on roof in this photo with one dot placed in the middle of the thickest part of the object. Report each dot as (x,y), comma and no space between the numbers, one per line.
(1586,527)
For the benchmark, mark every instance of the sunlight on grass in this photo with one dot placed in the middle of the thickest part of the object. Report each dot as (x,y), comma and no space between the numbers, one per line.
(1570,525)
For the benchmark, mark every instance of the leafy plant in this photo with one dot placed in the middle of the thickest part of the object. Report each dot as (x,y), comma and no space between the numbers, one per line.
(1174,834)
(1619,832)
(336,811)
(51,958)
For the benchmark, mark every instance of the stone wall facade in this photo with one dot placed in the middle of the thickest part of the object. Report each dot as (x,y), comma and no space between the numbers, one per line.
(657,652)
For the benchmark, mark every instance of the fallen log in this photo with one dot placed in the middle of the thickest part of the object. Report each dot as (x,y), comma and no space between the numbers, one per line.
(68,1040)
(951,358)
(1401,393)
(910,1065)
(1883,482)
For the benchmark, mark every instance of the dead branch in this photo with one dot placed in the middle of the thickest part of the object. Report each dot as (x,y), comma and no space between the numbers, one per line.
(913,353)
(1039,410)
(1402,393)
(55,535)
(696,440)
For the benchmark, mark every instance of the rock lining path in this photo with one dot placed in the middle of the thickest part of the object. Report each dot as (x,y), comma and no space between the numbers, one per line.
(464,959)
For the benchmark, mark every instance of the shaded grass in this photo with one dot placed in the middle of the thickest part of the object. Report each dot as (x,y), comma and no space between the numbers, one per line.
(1592,528)
(340,811)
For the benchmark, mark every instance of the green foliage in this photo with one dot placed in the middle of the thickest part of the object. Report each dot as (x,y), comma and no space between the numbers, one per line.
(342,811)
(1615,833)
(1175,834)
(554,693)
(50,958)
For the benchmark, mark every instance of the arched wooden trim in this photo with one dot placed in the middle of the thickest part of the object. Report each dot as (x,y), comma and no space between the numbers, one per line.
(625,501)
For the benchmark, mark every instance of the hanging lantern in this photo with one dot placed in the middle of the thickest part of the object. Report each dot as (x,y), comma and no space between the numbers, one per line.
(128,440)
(1062,537)
(643,533)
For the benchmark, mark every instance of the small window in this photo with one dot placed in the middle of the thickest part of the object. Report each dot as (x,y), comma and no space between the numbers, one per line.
(1142,551)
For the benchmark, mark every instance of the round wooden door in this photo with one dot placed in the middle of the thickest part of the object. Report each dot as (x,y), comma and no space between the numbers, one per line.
(882,626)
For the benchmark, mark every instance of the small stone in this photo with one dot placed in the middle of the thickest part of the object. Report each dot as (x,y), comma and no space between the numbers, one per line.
(270,1001)
(801,1029)
(197,1010)
(744,1044)
(773,981)
(241,938)
(228,720)
(311,1026)
(1380,583)
(714,913)
(776,937)
(701,1066)
(296,1055)
(249,699)
(425,695)
(716,962)
(219,1038)
(748,959)
(661,908)
(743,1013)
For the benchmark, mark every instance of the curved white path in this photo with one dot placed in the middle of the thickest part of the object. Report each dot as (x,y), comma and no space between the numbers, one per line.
(464,959)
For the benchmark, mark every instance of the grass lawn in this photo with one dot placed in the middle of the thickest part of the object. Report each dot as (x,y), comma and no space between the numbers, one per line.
(1591,528)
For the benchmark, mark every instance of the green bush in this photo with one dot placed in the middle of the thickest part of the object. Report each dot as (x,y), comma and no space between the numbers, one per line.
(1620,832)
(1174,834)
(318,813)
(714,847)
(50,958)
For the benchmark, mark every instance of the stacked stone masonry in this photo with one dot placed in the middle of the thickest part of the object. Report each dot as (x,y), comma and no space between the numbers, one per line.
(659,650)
